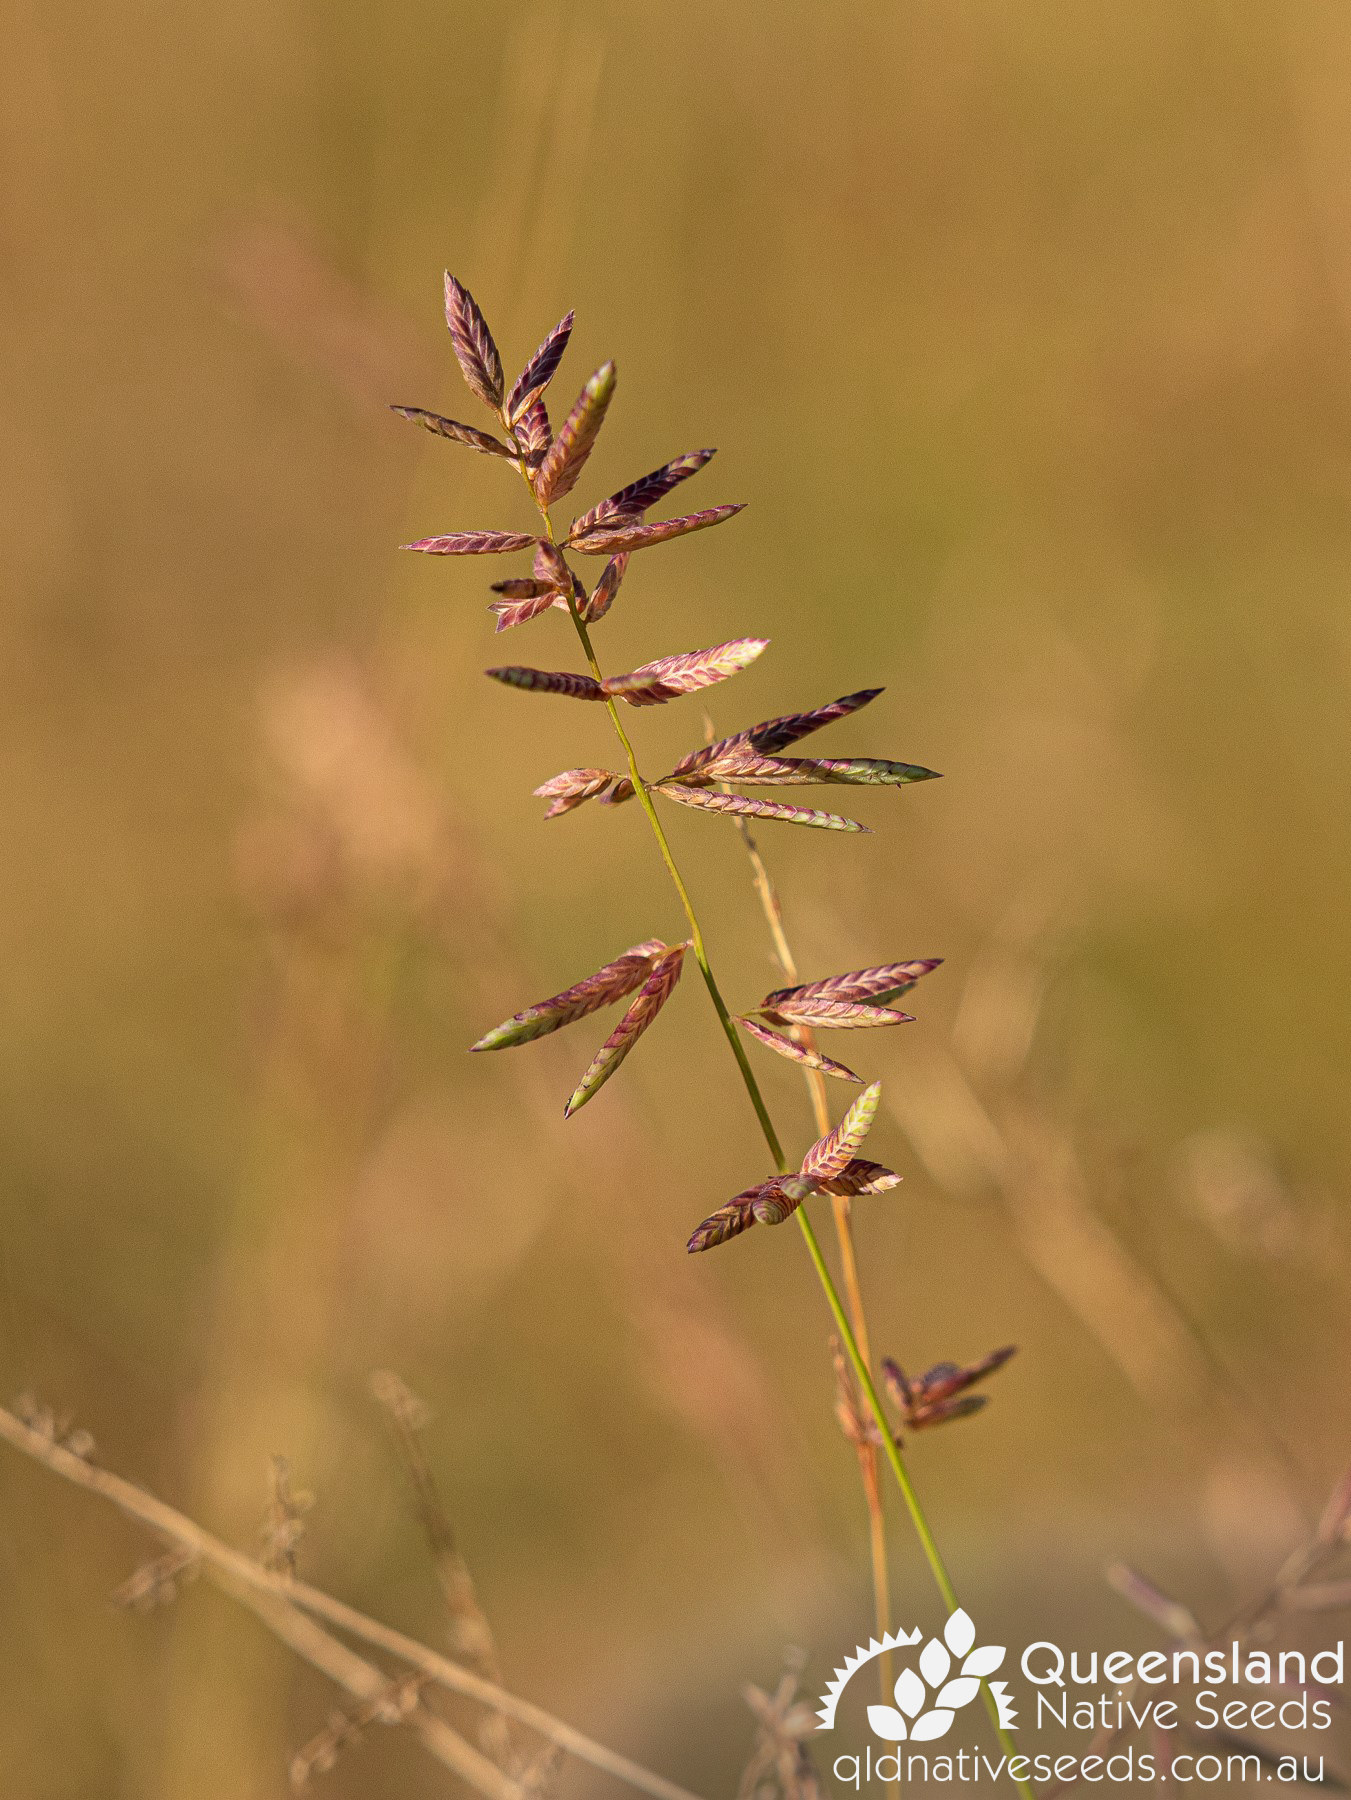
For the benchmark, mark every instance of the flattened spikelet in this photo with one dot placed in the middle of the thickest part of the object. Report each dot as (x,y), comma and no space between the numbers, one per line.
(951,1378)
(633,501)
(669,676)
(648,1002)
(610,983)
(780,1199)
(831,1155)
(572,788)
(747,768)
(539,371)
(520,612)
(473,543)
(742,807)
(743,767)
(551,571)
(473,343)
(549,681)
(451,428)
(566,456)
(777,734)
(860,1177)
(829,1167)
(527,599)
(527,588)
(573,781)
(864,771)
(767,1203)
(836,1015)
(618,534)
(881,984)
(940,1395)
(728,1222)
(772,735)
(551,567)
(795,1052)
(534,433)
(603,594)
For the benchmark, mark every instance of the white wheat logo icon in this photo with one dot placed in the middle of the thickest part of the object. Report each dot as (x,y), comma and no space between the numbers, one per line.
(916,1718)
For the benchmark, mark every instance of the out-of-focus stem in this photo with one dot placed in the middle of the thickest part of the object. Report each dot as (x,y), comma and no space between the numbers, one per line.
(816,1087)
(844,1234)
(283,1598)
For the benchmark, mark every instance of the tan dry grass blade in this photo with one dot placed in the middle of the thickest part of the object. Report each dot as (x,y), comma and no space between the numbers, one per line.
(289,1608)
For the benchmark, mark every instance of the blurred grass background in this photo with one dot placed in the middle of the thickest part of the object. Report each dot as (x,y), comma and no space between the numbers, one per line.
(1026,334)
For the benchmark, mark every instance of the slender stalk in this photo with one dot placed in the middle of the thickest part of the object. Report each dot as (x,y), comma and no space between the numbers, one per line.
(923,1531)
(663,844)
(844,1235)
(932,1553)
(841,1206)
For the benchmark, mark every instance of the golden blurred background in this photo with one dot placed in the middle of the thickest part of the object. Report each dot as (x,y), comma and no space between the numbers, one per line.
(1027,335)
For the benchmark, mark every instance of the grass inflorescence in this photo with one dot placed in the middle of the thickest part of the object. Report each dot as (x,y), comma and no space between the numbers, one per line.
(550,461)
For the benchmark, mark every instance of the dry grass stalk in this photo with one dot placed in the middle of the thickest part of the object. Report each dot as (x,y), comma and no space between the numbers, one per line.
(470,1635)
(292,1609)
(1293,1590)
(157,1582)
(392,1706)
(780,1765)
(285,1524)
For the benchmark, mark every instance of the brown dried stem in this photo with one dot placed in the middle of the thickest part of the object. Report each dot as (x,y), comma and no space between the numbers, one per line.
(291,1608)
(470,1636)
(841,1209)
(1290,1590)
